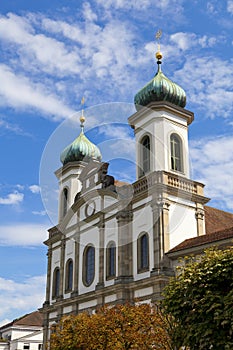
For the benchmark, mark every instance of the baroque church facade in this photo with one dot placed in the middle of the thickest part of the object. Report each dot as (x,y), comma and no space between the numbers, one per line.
(114,241)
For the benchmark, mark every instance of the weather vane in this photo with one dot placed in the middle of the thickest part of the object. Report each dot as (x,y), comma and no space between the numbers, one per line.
(158,54)
(82,118)
(158,36)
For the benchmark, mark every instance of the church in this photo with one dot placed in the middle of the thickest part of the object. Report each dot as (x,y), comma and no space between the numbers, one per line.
(118,241)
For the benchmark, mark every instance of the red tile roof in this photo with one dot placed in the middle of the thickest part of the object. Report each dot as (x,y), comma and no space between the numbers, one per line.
(217,220)
(219,226)
(33,319)
(205,239)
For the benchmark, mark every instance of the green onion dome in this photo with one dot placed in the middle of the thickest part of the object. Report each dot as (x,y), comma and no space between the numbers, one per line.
(81,149)
(160,88)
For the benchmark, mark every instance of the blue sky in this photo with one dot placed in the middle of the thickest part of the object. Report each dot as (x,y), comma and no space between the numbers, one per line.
(54,52)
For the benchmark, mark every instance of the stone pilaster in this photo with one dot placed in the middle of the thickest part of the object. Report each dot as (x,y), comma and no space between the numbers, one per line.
(76,263)
(200,215)
(45,330)
(161,241)
(101,226)
(157,253)
(125,246)
(49,274)
(62,267)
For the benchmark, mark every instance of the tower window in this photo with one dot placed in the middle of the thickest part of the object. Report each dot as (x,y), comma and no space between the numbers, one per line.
(145,155)
(64,201)
(176,153)
(143,252)
(69,275)
(88,265)
(111,260)
(56,282)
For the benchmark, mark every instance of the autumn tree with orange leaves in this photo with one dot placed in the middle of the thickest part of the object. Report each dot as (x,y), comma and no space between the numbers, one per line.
(119,327)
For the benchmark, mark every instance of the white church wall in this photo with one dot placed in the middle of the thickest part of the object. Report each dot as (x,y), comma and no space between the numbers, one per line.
(159,126)
(18,333)
(70,247)
(139,293)
(67,309)
(182,222)
(182,131)
(53,314)
(56,258)
(90,207)
(108,202)
(111,231)
(4,346)
(70,181)
(73,221)
(110,298)
(87,304)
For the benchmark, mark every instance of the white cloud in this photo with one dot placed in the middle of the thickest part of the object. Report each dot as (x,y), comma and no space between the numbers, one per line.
(140,4)
(213,165)
(19,91)
(13,128)
(34,188)
(114,131)
(40,213)
(108,53)
(28,234)
(230,6)
(52,55)
(88,12)
(20,187)
(19,298)
(125,4)
(211,7)
(12,198)
(211,85)
(185,41)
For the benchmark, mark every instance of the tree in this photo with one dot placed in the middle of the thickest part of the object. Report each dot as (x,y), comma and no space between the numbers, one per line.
(119,327)
(200,300)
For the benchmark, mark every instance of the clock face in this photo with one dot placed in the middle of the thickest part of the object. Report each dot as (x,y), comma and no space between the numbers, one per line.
(90,208)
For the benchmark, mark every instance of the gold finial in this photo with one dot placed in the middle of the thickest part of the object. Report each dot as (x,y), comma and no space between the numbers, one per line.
(82,118)
(158,54)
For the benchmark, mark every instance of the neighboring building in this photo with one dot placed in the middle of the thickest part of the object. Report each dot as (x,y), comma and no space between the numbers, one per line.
(116,242)
(24,333)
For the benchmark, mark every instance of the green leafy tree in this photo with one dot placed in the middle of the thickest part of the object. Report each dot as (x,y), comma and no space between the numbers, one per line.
(115,328)
(200,300)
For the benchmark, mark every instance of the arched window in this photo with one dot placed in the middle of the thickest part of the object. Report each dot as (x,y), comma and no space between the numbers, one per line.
(111,260)
(69,275)
(64,201)
(143,252)
(176,153)
(145,154)
(88,265)
(56,282)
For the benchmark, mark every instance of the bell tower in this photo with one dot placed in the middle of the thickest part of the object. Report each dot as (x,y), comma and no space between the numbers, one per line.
(161,126)
(74,158)
(162,159)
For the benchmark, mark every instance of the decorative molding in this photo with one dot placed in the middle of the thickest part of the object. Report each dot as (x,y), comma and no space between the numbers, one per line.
(124,215)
